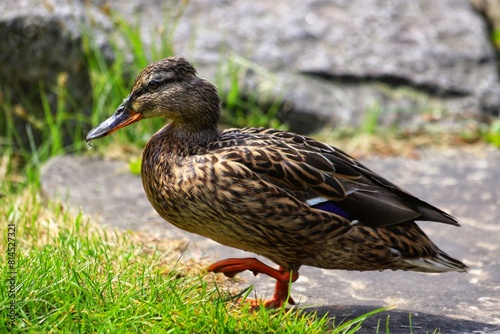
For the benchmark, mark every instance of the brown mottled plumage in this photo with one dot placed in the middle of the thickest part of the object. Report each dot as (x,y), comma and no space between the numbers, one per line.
(289,198)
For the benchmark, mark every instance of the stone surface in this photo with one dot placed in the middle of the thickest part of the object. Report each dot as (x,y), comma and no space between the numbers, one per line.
(465,184)
(41,48)
(335,60)
(43,38)
(329,61)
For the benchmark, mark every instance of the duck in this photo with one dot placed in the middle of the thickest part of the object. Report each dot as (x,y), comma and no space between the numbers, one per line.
(284,196)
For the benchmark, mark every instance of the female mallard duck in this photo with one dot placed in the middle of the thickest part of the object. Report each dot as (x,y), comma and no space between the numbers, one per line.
(287,197)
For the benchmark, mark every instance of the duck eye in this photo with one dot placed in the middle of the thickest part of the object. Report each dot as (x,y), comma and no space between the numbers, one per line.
(153,84)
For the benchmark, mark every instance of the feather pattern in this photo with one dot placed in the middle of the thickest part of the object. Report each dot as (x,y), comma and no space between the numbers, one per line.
(250,188)
(287,197)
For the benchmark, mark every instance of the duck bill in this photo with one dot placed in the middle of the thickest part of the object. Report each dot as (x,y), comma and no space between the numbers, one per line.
(122,117)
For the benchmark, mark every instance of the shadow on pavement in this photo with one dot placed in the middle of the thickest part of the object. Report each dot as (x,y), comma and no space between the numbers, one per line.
(399,321)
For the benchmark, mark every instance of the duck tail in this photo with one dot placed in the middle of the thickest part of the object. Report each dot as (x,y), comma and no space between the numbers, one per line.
(431,213)
(440,262)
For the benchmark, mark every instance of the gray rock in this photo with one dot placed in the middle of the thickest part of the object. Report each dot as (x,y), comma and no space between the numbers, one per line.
(465,184)
(43,38)
(328,61)
(333,61)
(42,44)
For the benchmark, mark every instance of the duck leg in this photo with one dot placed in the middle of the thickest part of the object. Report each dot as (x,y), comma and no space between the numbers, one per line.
(231,267)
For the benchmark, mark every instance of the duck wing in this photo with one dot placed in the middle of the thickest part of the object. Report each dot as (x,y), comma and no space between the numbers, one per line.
(324,177)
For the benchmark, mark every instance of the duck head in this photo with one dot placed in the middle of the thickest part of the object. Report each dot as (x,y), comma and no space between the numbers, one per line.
(171,89)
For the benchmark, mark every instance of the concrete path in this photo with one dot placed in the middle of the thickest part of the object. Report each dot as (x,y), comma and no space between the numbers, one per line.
(465,184)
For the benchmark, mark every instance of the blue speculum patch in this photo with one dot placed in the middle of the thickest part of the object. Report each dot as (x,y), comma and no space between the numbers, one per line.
(329,206)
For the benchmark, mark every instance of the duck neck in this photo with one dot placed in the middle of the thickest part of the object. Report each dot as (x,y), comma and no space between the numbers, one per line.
(192,137)
(181,140)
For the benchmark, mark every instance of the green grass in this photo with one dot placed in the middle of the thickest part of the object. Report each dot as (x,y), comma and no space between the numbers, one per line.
(257,109)
(495,38)
(491,133)
(72,276)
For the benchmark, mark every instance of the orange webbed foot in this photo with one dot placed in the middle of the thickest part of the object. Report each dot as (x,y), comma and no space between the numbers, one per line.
(231,267)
